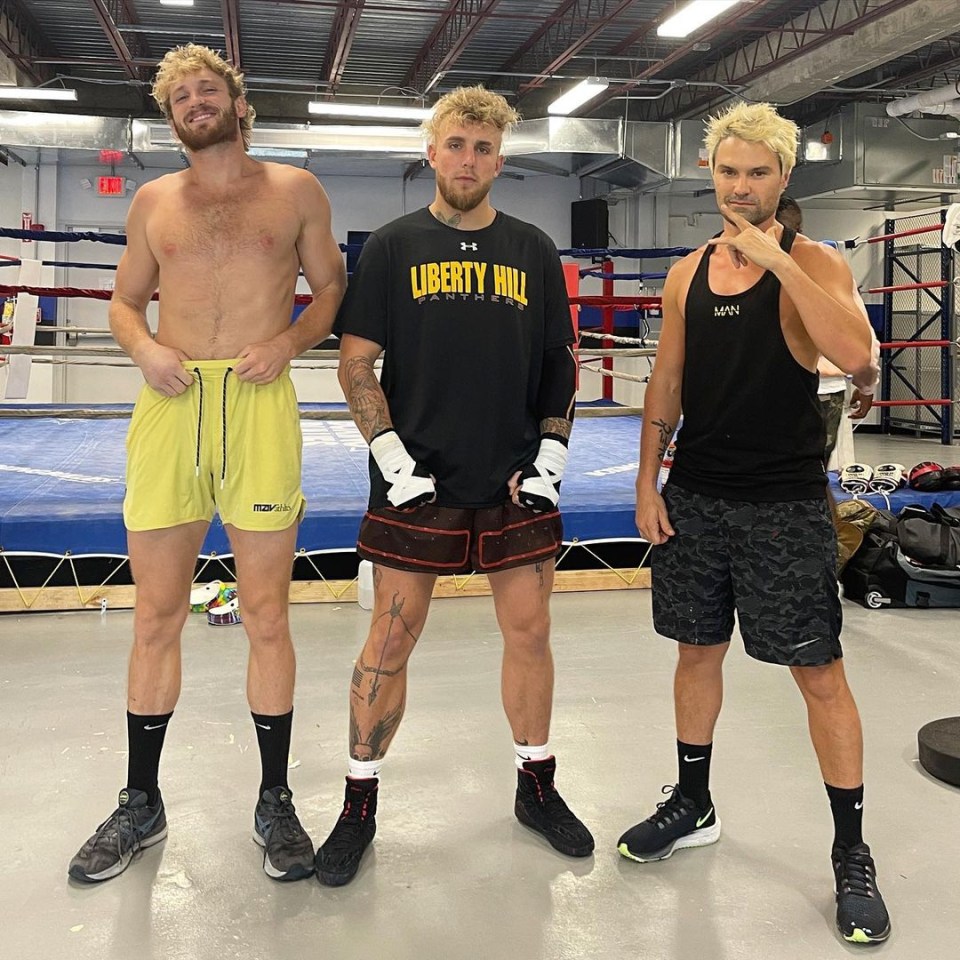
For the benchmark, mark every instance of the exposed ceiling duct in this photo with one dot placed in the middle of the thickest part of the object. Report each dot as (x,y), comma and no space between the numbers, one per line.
(930,101)
(861,156)
(865,157)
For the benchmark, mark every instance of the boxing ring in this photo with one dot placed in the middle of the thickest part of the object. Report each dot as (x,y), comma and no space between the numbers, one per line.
(63,483)
(62,540)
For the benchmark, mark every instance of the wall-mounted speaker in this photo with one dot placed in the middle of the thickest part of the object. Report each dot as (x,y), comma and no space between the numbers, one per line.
(589,223)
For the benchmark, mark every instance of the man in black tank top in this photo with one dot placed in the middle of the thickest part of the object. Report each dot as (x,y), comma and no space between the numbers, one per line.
(743,525)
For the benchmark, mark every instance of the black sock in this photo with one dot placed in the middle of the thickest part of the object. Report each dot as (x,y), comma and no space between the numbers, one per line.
(694,764)
(847,809)
(273,735)
(144,742)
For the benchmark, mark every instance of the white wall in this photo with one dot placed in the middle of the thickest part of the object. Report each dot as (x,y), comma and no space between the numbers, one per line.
(357,203)
(11,178)
(364,203)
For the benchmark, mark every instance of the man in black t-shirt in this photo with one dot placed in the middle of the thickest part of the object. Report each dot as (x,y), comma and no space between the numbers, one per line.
(468,429)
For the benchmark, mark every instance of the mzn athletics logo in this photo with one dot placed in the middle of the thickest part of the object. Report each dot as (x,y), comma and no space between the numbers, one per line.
(456,279)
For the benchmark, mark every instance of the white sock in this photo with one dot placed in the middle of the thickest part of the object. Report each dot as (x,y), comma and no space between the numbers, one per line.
(523,752)
(363,769)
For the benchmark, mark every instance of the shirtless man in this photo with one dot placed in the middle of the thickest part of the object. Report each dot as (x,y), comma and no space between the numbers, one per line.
(216,426)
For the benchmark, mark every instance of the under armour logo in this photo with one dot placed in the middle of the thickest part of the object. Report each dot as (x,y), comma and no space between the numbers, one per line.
(468,246)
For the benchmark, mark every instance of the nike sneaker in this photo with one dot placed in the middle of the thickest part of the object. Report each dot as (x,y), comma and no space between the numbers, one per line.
(861,913)
(678,823)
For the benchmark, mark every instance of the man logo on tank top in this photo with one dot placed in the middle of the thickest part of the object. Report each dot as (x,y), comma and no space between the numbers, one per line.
(469,279)
(728,310)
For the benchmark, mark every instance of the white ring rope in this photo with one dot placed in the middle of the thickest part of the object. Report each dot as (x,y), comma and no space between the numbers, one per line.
(638,341)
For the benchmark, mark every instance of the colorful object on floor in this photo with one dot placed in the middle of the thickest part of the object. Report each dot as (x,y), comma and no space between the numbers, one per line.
(205,595)
(225,613)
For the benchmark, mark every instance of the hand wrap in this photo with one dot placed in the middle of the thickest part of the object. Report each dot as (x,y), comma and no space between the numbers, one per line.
(409,484)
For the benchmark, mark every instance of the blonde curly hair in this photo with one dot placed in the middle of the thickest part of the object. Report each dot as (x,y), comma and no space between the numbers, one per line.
(755,123)
(190,58)
(469,105)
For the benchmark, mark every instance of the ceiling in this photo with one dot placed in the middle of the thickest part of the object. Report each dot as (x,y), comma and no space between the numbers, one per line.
(811,56)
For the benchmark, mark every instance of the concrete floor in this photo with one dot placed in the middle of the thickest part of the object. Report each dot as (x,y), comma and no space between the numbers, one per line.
(451,874)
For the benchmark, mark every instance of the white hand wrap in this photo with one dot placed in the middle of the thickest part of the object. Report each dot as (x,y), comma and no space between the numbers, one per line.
(540,480)
(409,486)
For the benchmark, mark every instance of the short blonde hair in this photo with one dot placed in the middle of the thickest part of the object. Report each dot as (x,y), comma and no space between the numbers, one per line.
(191,58)
(469,105)
(755,123)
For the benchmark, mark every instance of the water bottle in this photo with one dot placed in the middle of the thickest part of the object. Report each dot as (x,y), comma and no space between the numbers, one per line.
(666,464)
(365,585)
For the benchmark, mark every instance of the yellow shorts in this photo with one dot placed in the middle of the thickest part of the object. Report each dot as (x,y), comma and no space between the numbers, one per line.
(222,445)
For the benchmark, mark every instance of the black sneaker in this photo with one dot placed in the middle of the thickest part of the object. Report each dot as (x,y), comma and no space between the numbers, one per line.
(540,807)
(678,823)
(339,858)
(861,914)
(132,826)
(287,850)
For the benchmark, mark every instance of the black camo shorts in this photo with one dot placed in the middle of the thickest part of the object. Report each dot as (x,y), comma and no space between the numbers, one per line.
(774,564)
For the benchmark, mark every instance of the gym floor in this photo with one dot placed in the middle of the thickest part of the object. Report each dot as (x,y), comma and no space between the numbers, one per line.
(451,874)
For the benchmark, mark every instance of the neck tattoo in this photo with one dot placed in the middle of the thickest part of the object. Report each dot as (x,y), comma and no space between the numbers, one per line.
(453,221)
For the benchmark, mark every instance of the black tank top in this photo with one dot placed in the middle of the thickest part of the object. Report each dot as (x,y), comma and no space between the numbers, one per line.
(752,428)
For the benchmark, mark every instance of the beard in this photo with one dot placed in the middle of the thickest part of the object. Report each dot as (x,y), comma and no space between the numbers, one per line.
(756,214)
(460,199)
(223,129)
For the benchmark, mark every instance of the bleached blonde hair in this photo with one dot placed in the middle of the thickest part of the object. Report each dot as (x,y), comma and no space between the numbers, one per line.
(190,58)
(755,123)
(469,105)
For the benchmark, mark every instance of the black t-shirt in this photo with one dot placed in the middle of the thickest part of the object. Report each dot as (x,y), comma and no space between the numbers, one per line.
(464,317)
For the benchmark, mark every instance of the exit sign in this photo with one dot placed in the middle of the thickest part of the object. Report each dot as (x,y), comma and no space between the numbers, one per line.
(110,186)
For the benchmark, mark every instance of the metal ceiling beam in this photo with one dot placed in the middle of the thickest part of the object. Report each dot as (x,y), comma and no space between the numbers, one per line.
(720,25)
(561,15)
(449,38)
(345,23)
(940,61)
(230,15)
(852,36)
(605,14)
(108,24)
(881,32)
(22,40)
(92,61)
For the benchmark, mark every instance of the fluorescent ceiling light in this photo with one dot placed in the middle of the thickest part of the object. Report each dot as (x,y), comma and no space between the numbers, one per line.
(577,96)
(365,139)
(693,16)
(369,111)
(36,93)
(310,137)
(176,3)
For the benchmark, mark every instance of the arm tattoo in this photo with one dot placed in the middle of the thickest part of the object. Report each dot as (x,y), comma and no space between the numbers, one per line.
(365,398)
(666,434)
(374,746)
(556,425)
(454,221)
